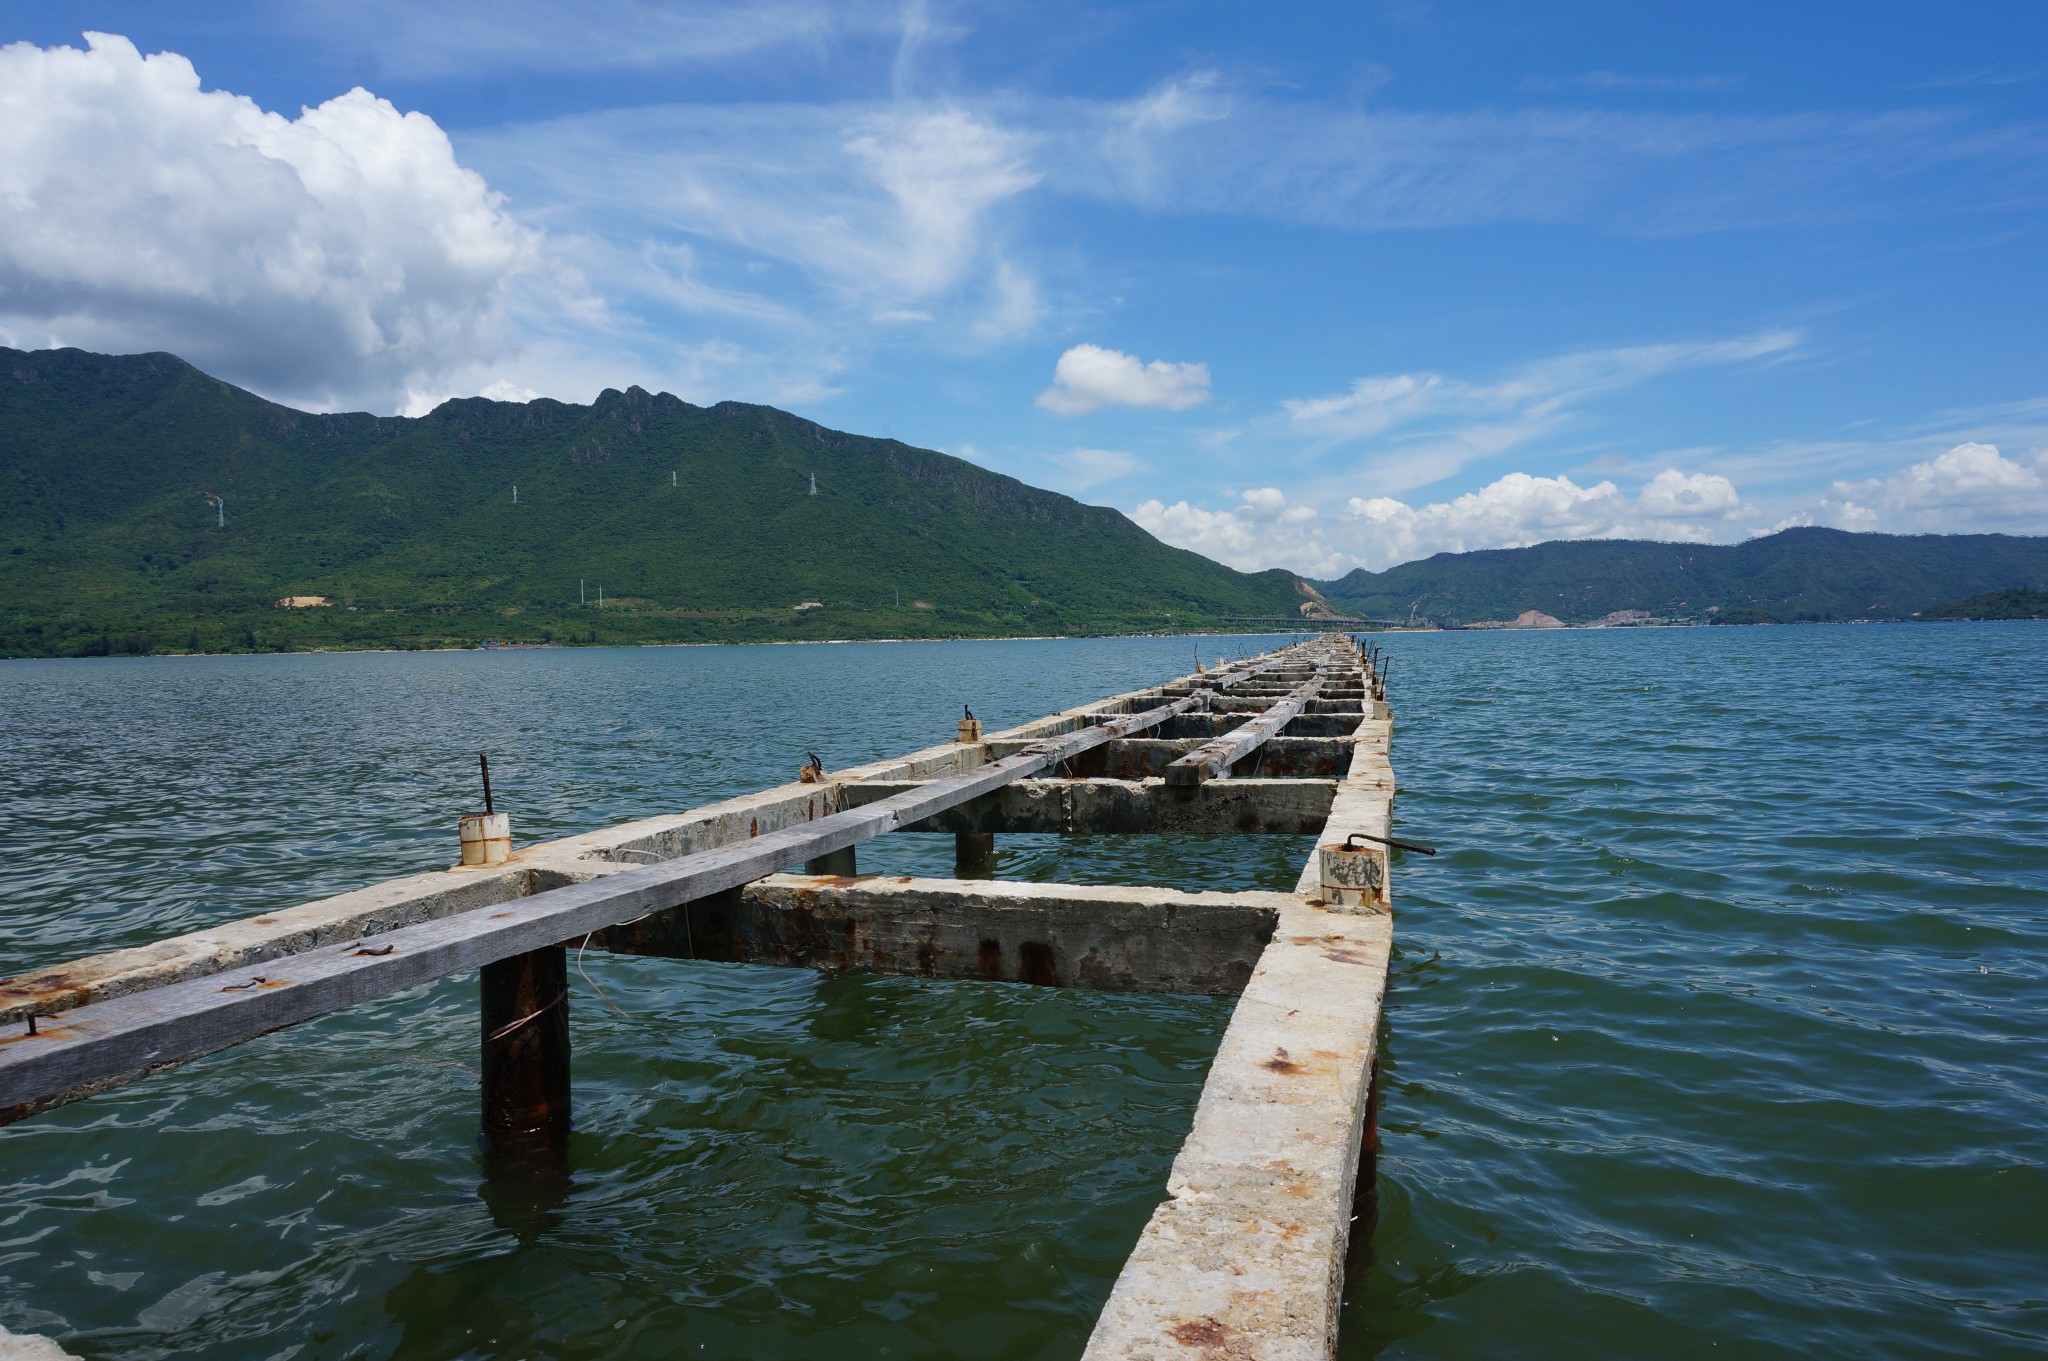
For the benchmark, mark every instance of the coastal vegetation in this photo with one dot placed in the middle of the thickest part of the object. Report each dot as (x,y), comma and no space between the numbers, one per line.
(2014,604)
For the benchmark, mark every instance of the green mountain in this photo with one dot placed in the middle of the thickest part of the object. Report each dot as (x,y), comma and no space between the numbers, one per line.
(1796,574)
(2016,604)
(697,524)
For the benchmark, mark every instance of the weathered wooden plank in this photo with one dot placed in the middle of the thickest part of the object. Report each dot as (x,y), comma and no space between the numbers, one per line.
(1213,758)
(126,1036)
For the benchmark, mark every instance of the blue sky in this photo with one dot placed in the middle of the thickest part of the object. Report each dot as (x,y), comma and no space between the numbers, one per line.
(1313,286)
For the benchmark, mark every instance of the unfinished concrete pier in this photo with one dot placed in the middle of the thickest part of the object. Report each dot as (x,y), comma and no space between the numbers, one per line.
(1244,1256)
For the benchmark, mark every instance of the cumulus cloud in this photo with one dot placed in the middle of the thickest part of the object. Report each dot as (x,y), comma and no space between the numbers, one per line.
(1263,530)
(1089,377)
(342,255)
(1267,530)
(1673,495)
(1971,488)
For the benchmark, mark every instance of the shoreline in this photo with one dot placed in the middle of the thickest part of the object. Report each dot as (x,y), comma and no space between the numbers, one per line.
(995,638)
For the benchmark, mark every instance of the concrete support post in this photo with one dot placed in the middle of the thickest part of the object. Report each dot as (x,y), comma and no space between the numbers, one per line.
(974,855)
(526,1051)
(835,862)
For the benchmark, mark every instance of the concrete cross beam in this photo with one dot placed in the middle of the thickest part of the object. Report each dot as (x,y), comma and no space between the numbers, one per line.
(1080,807)
(1111,939)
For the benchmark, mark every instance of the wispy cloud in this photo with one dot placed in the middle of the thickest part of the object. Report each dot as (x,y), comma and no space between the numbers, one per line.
(1422,427)
(1196,144)
(879,220)
(1984,76)
(1082,469)
(1627,84)
(412,40)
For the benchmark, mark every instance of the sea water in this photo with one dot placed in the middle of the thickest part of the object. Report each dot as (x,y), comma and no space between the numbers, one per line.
(1716,1028)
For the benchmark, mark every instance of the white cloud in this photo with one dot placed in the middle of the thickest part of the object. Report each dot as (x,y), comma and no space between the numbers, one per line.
(1426,427)
(1519,509)
(1621,83)
(851,216)
(942,170)
(1263,530)
(1267,530)
(1971,488)
(402,37)
(1089,377)
(1195,144)
(340,256)
(1673,495)
(1085,468)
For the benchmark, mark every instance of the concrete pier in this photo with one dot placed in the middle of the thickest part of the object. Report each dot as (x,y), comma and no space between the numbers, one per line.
(1243,1257)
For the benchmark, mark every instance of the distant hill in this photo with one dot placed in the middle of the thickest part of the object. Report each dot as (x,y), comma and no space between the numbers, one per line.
(1796,574)
(2020,604)
(696,523)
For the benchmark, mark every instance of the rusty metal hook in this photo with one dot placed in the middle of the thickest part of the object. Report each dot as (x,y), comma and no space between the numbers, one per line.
(1385,841)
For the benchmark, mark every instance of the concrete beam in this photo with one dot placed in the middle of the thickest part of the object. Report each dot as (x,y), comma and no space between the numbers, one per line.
(1245,1258)
(1060,935)
(1315,706)
(1142,807)
(1138,758)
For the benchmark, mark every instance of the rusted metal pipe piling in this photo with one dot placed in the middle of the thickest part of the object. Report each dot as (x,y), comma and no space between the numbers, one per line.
(525,1014)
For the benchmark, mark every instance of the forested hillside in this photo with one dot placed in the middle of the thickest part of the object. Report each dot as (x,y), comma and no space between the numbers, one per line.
(1796,574)
(695,523)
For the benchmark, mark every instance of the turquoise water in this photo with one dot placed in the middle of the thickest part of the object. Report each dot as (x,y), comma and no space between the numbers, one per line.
(1714,1031)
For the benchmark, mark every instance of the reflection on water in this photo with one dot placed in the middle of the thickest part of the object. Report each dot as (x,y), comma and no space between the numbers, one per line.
(1713,1031)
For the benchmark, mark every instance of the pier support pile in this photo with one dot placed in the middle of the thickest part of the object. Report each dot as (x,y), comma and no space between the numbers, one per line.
(1244,1256)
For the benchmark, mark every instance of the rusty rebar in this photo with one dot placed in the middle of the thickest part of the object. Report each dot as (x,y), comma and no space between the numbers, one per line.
(1388,841)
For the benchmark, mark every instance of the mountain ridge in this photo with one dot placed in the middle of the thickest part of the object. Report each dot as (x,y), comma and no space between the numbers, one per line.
(1805,573)
(698,523)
